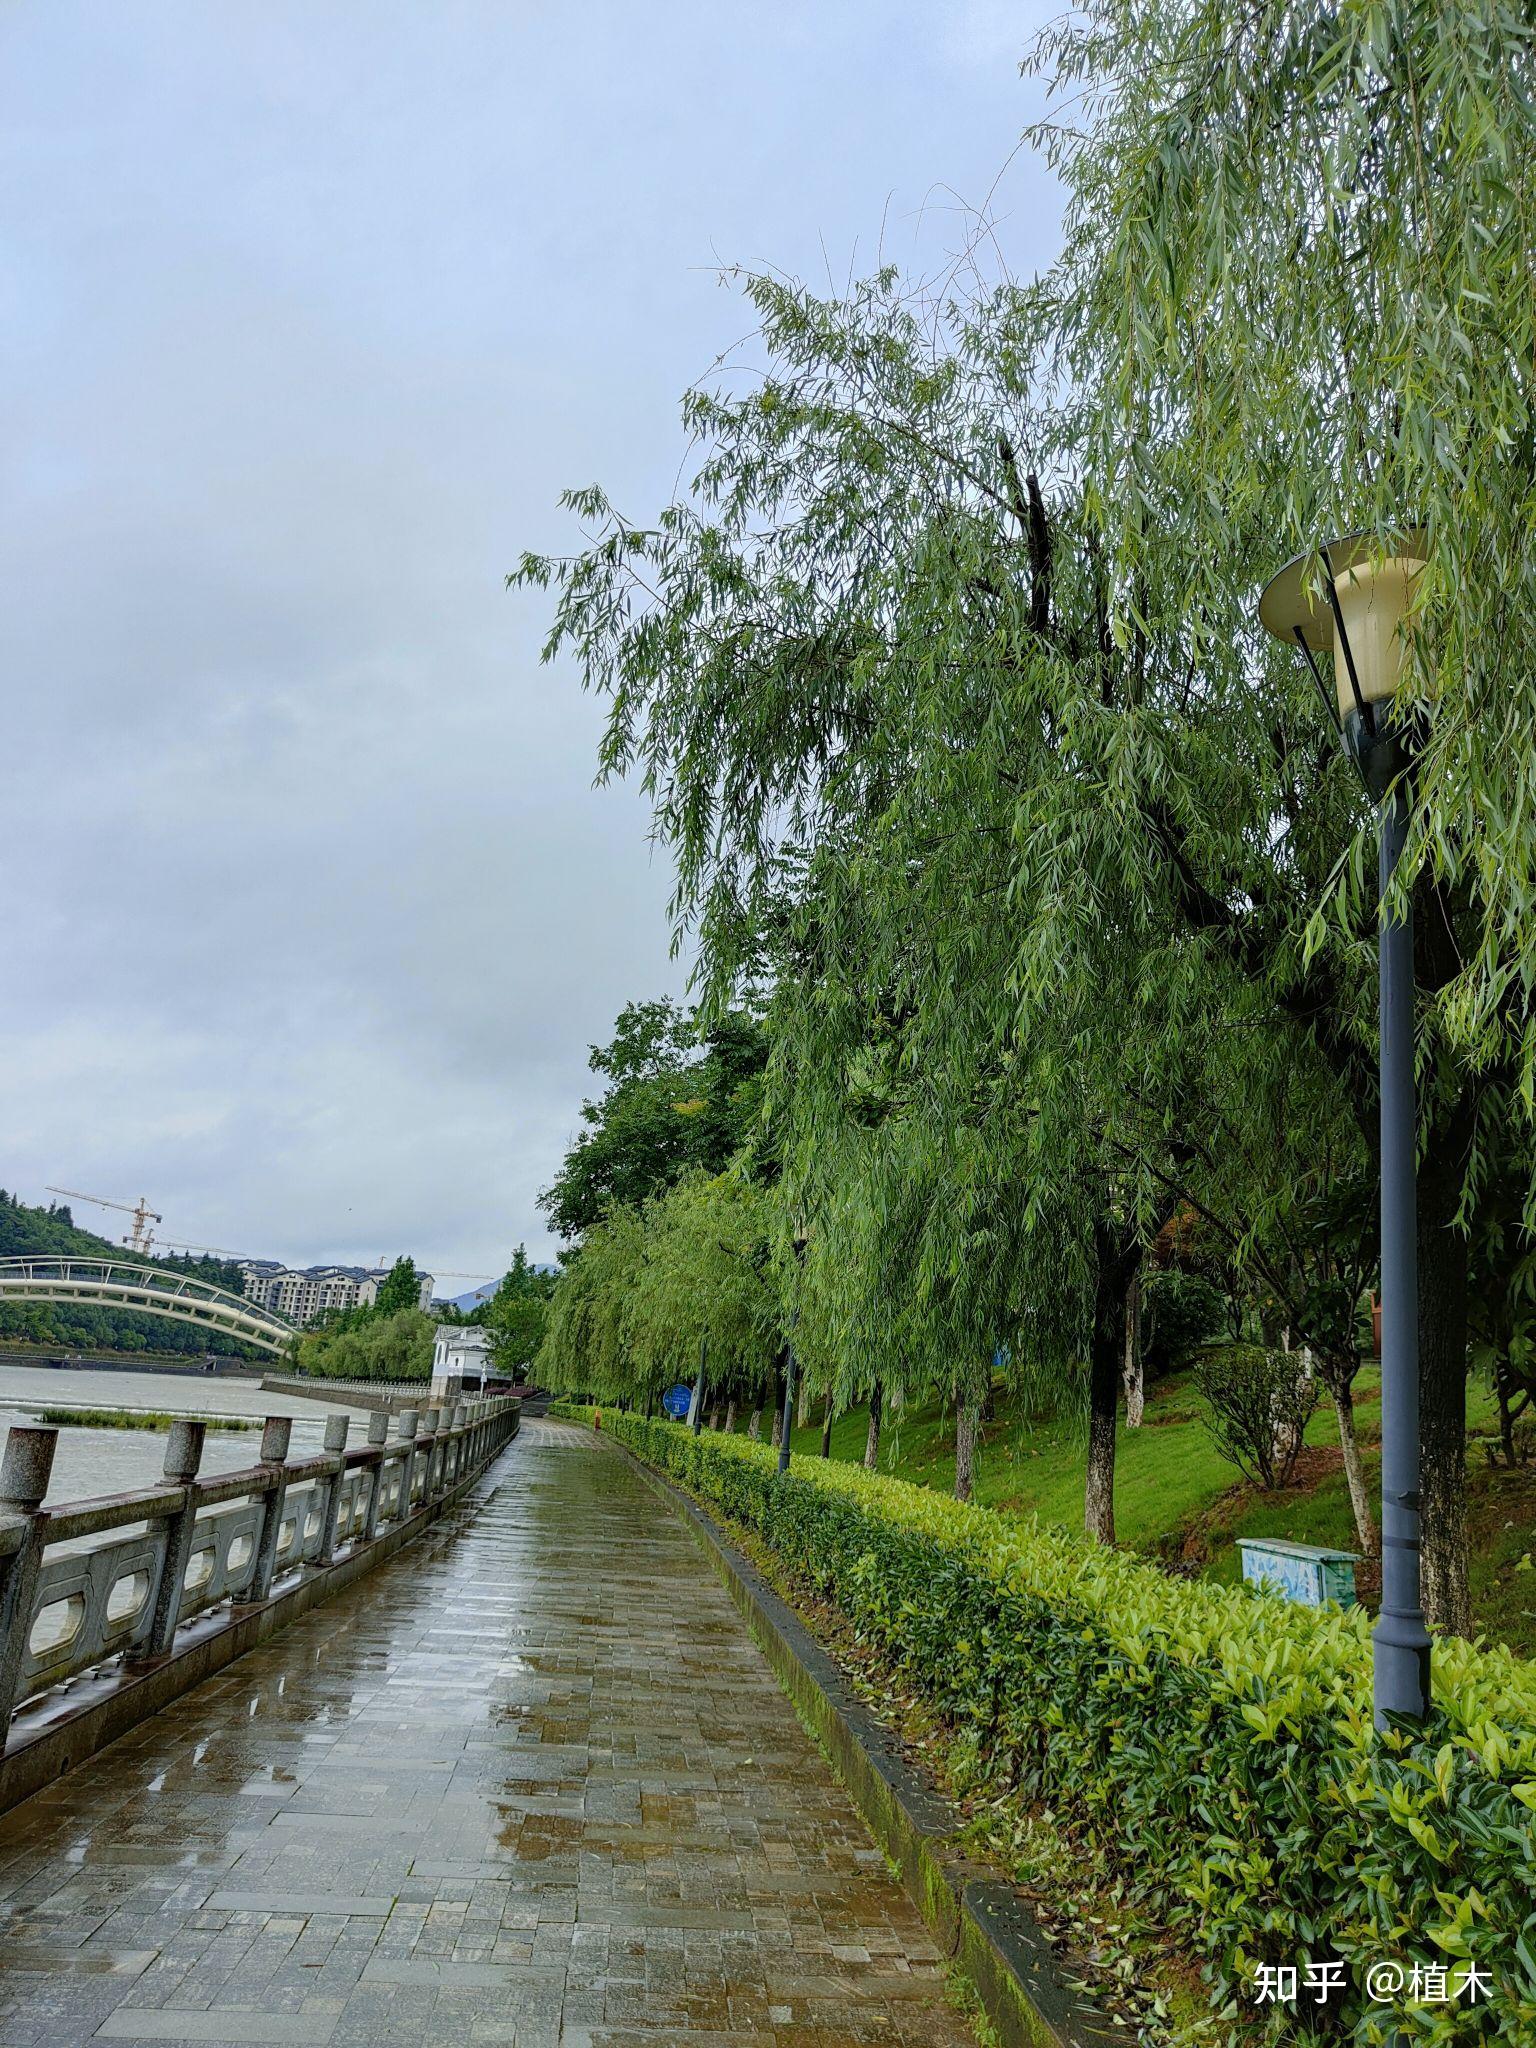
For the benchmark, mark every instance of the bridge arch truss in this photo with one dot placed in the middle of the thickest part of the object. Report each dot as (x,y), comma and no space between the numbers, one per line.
(153,1290)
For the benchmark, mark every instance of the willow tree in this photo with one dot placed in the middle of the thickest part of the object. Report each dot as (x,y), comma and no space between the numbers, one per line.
(586,1347)
(865,673)
(930,1255)
(707,1287)
(1270,1177)
(1296,300)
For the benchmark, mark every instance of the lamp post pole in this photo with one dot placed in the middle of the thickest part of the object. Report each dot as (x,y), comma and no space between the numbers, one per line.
(1401,1639)
(1361,611)
(802,1239)
(696,1418)
(789,1404)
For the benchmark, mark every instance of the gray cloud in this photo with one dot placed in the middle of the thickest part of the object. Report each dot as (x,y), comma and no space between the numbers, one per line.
(310,909)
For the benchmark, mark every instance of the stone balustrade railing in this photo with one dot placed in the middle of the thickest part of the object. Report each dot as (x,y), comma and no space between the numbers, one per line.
(192,1545)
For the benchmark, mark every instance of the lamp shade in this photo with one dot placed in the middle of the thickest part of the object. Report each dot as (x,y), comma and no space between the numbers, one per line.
(1375,605)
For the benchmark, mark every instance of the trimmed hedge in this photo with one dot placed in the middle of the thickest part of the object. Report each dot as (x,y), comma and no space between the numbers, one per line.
(1214,1743)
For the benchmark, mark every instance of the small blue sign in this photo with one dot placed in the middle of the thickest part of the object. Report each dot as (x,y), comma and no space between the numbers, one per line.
(677,1401)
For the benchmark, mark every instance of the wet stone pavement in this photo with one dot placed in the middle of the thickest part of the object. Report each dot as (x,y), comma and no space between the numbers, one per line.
(529,1783)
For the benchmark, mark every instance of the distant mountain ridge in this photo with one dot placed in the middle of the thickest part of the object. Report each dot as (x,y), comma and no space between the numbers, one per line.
(478,1295)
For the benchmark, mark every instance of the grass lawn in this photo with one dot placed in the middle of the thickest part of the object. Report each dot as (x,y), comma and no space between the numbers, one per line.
(1177,1499)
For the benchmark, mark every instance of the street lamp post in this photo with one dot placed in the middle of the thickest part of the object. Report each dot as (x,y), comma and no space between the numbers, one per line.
(696,1417)
(802,1239)
(789,1404)
(1349,599)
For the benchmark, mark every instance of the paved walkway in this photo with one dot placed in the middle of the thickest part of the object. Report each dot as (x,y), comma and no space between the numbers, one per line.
(530,1783)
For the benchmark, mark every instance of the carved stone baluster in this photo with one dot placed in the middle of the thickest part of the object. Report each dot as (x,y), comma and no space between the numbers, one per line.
(276,1436)
(24,1478)
(335,1445)
(183,1455)
(378,1436)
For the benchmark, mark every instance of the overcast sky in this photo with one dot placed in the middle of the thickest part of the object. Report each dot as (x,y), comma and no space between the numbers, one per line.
(309,312)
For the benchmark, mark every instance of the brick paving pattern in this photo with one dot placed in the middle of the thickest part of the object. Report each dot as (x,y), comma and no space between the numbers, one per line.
(530,1783)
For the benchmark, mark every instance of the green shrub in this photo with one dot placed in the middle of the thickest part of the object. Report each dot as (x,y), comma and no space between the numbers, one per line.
(1214,1743)
(1257,1405)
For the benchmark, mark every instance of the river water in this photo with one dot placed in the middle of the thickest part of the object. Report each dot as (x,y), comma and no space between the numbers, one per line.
(95,1461)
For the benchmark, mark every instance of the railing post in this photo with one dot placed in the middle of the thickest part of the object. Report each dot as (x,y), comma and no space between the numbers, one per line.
(378,1436)
(183,1455)
(276,1435)
(24,1478)
(410,1422)
(456,1440)
(429,1422)
(335,1444)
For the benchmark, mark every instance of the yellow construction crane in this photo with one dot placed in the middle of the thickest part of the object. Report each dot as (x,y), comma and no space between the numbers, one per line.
(142,1237)
(217,1251)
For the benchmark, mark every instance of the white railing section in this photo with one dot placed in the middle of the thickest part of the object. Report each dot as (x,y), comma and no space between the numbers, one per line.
(193,1545)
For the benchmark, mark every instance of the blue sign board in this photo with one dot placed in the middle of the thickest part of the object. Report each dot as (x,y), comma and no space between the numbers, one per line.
(677,1401)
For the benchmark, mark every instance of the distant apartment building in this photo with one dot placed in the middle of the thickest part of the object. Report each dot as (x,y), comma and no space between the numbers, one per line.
(304,1294)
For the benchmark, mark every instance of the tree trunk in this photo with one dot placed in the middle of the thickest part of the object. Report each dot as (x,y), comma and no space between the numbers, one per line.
(730,1416)
(1135,1390)
(826,1430)
(755,1426)
(967,1422)
(1117,1253)
(1443,1421)
(1354,1470)
(1504,1394)
(802,1402)
(714,1414)
(872,1441)
(1099,1488)
(778,1409)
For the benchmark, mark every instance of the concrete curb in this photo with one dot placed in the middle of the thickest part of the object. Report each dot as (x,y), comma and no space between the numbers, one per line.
(56,1733)
(976,1919)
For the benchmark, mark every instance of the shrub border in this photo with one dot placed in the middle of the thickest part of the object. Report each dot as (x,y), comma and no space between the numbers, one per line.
(977,1920)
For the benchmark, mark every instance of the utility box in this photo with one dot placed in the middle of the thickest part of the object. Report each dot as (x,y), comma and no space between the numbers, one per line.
(1305,1572)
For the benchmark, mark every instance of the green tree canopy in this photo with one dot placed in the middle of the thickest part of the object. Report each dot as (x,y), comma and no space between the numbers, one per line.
(682,1094)
(399,1289)
(517,1313)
